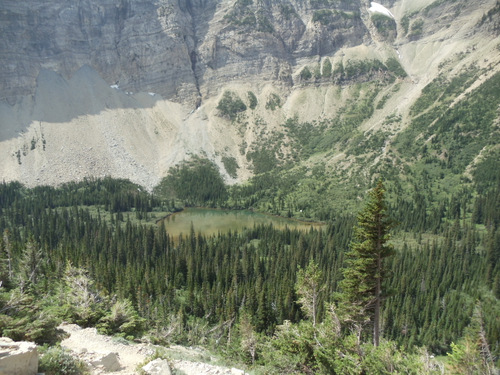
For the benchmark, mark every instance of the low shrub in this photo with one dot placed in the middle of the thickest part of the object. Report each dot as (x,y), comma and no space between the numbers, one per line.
(57,361)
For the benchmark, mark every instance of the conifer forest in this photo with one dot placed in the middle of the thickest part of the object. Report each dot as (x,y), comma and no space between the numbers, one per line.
(382,291)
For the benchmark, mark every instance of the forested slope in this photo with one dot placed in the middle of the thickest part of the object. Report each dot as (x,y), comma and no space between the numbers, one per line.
(206,290)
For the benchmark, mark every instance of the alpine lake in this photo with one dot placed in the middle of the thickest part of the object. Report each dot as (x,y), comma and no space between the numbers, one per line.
(209,222)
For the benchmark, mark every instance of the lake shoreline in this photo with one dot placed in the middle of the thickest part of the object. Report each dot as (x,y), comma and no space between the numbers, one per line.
(305,221)
(210,221)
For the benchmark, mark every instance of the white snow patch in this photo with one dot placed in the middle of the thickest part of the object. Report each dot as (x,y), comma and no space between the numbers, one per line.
(378,8)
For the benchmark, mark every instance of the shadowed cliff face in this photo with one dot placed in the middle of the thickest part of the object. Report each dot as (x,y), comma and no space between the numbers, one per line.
(125,41)
(181,49)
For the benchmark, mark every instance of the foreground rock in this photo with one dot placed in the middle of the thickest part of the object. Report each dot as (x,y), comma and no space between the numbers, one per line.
(157,367)
(106,362)
(18,358)
(104,354)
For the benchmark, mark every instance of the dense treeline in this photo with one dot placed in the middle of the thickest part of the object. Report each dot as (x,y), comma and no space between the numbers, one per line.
(197,182)
(197,289)
(114,195)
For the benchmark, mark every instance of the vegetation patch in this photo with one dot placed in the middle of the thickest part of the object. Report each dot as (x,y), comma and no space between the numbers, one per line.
(252,100)
(326,69)
(386,26)
(394,66)
(323,16)
(273,102)
(416,29)
(383,100)
(287,11)
(365,143)
(231,166)
(491,14)
(197,183)
(241,14)
(56,360)
(230,105)
(305,74)
(264,25)
(368,70)
(405,23)
(263,160)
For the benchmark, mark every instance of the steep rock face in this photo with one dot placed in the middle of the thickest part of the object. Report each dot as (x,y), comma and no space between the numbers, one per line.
(266,41)
(124,41)
(175,48)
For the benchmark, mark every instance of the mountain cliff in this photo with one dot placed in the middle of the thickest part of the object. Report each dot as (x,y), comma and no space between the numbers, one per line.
(179,49)
(132,88)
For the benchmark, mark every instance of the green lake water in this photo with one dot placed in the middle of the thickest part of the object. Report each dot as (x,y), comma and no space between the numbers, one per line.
(211,221)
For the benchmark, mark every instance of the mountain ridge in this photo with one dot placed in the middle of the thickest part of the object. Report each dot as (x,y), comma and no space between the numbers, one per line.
(126,128)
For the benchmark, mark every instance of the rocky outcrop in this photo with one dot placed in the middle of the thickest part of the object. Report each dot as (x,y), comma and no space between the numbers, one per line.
(104,354)
(18,358)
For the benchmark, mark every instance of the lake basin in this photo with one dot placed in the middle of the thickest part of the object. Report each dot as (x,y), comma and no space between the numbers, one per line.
(210,222)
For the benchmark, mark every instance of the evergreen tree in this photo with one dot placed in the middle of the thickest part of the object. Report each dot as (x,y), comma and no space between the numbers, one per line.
(30,265)
(361,289)
(6,273)
(472,355)
(249,337)
(79,296)
(308,288)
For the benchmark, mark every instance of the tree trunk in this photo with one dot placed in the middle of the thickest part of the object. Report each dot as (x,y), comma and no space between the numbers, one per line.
(376,313)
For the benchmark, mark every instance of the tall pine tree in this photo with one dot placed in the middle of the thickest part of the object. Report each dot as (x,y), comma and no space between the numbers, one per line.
(361,292)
